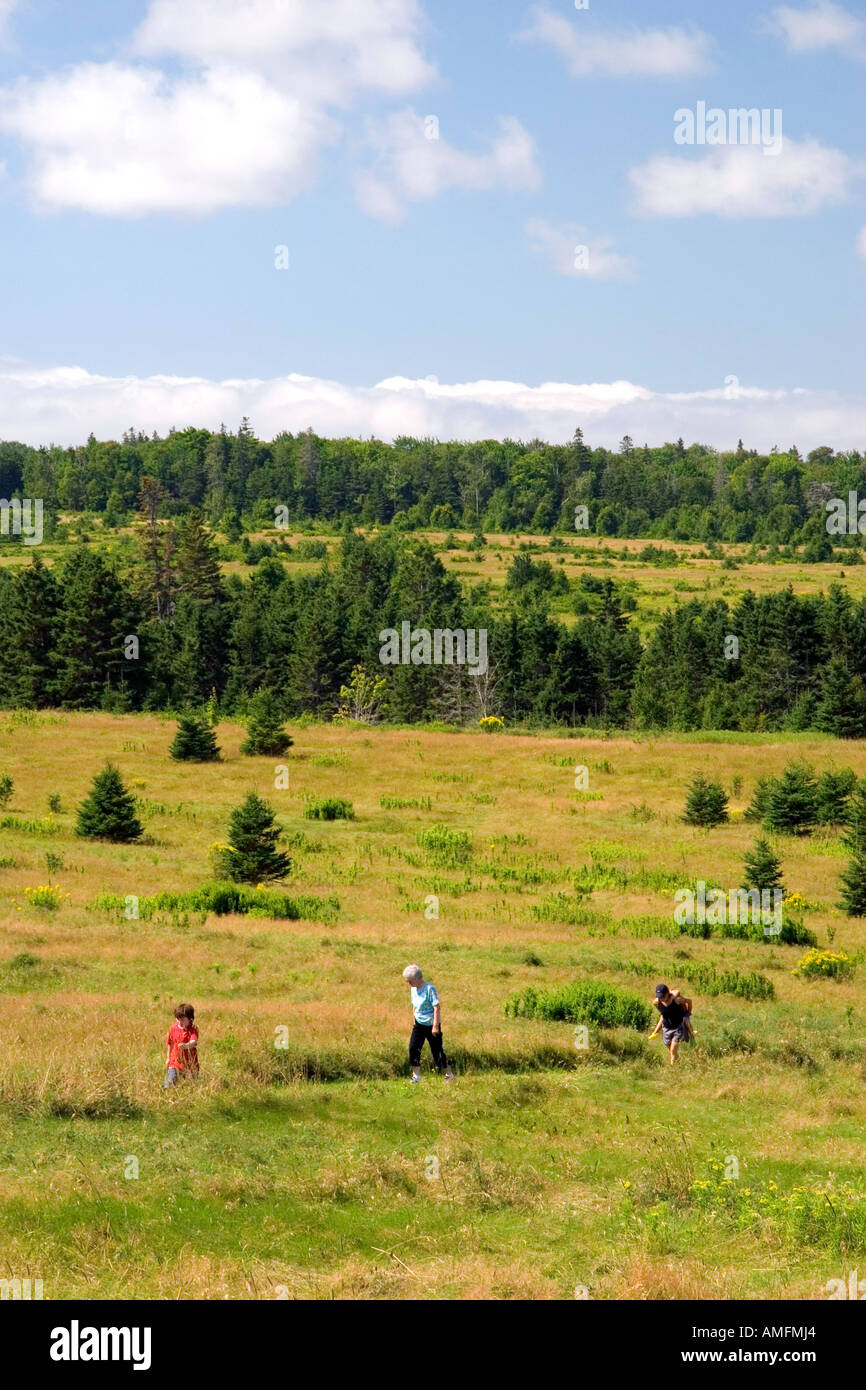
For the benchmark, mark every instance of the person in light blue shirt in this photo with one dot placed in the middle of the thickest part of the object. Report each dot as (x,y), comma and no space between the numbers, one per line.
(428,1023)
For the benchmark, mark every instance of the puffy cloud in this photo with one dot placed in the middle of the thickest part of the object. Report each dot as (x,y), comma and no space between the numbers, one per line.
(64,404)
(568,251)
(413,163)
(743,181)
(821,26)
(592,52)
(122,141)
(245,121)
(330,49)
(242,124)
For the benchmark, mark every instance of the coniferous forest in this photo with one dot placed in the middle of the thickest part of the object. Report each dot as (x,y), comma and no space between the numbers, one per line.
(153,623)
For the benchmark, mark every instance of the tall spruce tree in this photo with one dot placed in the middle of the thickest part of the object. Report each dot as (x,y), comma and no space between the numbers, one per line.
(197,562)
(108,810)
(842,709)
(251,855)
(195,740)
(853,876)
(95,616)
(34,605)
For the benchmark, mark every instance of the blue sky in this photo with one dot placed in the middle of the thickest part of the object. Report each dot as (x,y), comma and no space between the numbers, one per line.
(156,152)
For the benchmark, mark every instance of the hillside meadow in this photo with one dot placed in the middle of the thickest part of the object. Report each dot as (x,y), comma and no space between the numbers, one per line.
(313,1169)
(657,574)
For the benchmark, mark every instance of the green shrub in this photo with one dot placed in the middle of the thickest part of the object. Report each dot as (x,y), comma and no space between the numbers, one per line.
(399,803)
(308,548)
(747,984)
(29,827)
(791,933)
(329,808)
(588,878)
(586,1001)
(7,787)
(224,898)
(448,849)
(559,907)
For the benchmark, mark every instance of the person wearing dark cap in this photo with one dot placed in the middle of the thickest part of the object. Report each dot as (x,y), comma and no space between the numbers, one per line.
(674,1019)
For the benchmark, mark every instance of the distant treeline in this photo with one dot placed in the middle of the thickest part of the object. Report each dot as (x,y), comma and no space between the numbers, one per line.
(166,631)
(675,492)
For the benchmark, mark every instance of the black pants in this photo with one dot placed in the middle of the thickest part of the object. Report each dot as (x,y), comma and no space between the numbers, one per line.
(423,1031)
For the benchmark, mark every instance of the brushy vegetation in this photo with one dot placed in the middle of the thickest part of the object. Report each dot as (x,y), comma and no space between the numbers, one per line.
(447,848)
(584,1002)
(329,808)
(225,898)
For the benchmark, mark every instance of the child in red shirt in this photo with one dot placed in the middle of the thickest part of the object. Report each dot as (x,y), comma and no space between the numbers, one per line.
(182,1059)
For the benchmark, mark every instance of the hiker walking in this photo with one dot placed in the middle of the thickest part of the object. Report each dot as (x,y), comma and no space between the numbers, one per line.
(674,1019)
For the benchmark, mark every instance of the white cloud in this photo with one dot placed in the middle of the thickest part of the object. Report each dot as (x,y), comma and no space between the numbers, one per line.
(330,47)
(245,121)
(568,251)
(410,167)
(821,26)
(242,124)
(590,52)
(122,141)
(741,181)
(64,404)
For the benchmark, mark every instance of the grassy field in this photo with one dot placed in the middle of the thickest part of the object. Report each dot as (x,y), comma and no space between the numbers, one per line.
(315,1169)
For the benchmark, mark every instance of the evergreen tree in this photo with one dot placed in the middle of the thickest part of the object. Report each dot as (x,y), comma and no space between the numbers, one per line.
(757,808)
(762,870)
(853,876)
(155,567)
(252,855)
(833,795)
(198,571)
(792,802)
(842,709)
(93,620)
(195,741)
(265,732)
(706,803)
(33,615)
(108,810)
(198,646)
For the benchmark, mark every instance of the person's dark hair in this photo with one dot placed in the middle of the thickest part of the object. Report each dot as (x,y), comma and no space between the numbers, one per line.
(189,1012)
(180,1011)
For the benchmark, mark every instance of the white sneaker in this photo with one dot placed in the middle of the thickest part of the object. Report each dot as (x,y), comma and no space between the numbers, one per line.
(449,1076)
(414,1080)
